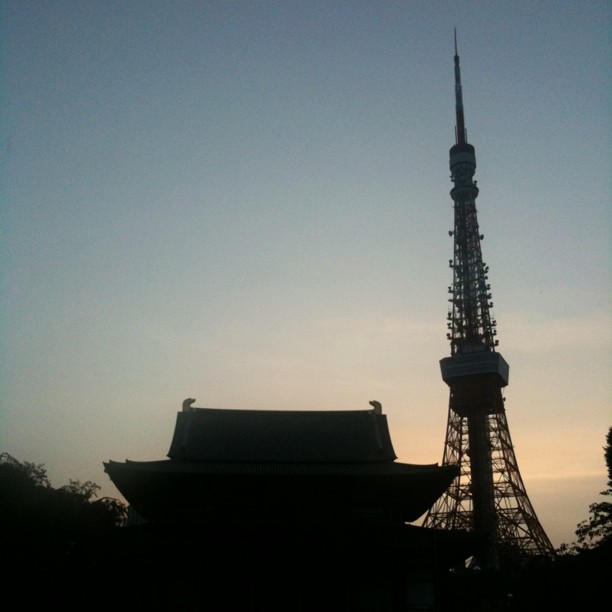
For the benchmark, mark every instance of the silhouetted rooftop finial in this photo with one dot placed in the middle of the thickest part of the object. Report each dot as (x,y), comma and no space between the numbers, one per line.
(187,403)
(377,407)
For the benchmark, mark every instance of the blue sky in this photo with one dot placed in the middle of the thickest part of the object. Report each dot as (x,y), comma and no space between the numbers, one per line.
(248,203)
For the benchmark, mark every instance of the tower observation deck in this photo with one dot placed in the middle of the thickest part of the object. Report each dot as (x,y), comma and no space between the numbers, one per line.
(488,497)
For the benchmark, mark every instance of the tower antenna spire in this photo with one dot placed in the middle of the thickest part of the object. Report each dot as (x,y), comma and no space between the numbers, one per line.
(460,133)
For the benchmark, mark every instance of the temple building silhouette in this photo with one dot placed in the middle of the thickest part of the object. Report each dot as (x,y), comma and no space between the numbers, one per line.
(284,510)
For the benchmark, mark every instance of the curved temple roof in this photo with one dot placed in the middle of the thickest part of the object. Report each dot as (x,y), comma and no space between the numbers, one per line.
(211,434)
(240,458)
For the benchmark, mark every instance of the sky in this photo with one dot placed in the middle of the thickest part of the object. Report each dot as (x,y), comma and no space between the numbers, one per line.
(247,203)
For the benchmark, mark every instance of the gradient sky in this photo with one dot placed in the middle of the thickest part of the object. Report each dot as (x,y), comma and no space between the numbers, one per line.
(247,202)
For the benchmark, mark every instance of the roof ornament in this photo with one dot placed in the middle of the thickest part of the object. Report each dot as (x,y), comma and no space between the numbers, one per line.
(187,404)
(377,407)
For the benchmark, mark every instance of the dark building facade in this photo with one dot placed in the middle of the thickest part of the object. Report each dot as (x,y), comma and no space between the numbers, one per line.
(283,510)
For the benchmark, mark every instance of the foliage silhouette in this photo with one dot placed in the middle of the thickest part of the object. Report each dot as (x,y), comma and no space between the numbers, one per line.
(29,501)
(596,531)
(50,534)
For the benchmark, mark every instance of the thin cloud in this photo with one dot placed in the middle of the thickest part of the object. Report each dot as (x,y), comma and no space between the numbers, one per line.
(524,332)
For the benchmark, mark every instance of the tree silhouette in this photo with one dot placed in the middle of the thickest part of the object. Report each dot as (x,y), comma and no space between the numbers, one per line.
(29,501)
(596,531)
(48,536)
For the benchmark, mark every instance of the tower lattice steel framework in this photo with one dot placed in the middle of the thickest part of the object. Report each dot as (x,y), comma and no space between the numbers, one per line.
(488,497)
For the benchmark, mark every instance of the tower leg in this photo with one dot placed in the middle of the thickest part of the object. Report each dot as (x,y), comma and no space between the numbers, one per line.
(484,518)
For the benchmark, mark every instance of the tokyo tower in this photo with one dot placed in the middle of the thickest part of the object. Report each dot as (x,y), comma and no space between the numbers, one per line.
(488,497)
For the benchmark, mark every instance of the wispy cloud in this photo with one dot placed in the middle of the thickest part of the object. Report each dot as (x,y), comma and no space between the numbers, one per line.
(529,333)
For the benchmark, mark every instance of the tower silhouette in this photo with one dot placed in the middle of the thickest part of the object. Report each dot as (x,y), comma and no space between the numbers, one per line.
(488,497)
